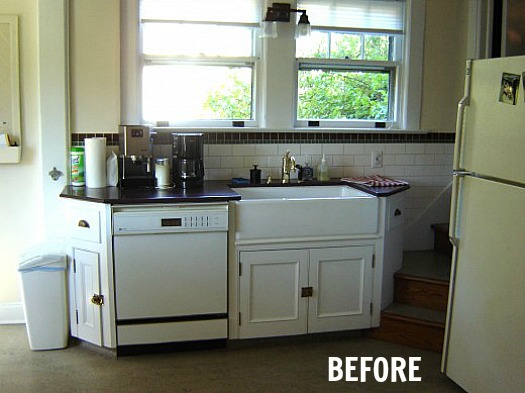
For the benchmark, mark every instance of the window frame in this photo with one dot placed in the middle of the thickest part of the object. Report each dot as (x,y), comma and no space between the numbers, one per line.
(203,60)
(275,78)
(393,67)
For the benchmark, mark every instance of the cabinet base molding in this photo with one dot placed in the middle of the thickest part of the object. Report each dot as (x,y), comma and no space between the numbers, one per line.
(297,339)
(161,333)
(104,351)
(130,350)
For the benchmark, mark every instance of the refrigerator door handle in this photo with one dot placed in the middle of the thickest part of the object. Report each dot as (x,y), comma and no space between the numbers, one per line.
(454,239)
(459,131)
(454,205)
(463,103)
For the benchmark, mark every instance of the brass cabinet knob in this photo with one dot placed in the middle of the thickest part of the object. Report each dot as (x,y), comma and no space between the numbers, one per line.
(97,300)
(83,224)
(307,292)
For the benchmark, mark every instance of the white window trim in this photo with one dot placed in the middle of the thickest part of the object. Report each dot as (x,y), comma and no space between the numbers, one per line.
(412,77)
(275,81)
(130,87)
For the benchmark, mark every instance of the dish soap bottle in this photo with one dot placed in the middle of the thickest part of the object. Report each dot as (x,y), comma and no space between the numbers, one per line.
(322,170)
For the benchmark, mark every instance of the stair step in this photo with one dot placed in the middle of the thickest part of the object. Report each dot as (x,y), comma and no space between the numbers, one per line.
(423,281)
(426,264)
(441,228)
(422,314)
(441,241)
(421,293)
(417,316)
(412,326)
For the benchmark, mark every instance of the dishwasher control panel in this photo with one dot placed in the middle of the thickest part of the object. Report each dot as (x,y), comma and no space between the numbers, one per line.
(169,220)
(194,221)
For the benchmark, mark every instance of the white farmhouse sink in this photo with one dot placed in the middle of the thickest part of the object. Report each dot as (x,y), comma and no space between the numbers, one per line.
(300,192)
(304,212)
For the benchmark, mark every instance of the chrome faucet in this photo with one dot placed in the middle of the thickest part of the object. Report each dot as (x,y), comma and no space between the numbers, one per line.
(287,167)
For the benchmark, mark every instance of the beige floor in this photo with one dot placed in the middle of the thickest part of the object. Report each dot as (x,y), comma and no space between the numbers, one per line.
(288,365)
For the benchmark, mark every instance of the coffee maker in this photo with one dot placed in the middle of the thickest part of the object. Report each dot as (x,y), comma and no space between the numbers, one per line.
(188,164)
(136,156)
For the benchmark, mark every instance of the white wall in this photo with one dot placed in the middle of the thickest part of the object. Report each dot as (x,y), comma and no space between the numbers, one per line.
(94,65)
(21,195)
(446,27)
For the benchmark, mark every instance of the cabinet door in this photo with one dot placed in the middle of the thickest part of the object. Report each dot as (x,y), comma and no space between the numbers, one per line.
(341,279)
(87,284)
(270,293)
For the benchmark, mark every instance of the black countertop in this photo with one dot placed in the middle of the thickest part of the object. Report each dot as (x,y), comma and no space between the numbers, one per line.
(375,191)
(212,191)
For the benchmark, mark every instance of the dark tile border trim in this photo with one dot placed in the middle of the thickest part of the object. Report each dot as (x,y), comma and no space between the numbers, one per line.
(78,139)
(224,138)
(219,138)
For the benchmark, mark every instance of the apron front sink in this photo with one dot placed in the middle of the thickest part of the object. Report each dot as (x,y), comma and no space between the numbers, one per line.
(301,212)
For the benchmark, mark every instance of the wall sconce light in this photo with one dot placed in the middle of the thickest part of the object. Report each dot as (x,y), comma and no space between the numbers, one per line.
(280,12)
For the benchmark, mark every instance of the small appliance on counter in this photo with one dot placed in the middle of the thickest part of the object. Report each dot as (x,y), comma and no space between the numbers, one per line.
(162,173)
(188,163)
(136,156)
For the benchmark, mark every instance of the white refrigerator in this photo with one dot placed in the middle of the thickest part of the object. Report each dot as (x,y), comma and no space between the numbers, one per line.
(484,348)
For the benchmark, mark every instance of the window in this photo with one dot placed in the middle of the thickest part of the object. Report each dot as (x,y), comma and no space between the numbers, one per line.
(203,64)
(198,61)
(347,71)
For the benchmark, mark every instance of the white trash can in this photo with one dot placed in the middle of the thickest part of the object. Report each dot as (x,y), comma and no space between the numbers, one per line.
(43,284)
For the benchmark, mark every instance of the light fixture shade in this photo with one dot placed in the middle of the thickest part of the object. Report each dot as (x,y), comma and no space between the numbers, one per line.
(303,28)
(268,29)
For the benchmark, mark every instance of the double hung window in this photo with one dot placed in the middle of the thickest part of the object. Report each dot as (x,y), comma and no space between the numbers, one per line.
(199,61)
(348,70)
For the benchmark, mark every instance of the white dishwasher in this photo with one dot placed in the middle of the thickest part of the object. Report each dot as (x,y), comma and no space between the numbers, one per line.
(170,265)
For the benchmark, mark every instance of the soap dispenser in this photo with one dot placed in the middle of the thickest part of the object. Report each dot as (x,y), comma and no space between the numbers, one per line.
(322,170)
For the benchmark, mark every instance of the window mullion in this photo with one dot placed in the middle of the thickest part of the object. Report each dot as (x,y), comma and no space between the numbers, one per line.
(309,63)
(219,61)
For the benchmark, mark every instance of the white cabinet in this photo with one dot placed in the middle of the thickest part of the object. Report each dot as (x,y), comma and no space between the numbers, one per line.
(341,280)
(270,293)
(90,273)
(86,276)
(347,273)
(299,291)
(393,237)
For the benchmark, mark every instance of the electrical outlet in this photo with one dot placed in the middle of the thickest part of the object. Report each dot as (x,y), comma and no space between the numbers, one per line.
(377,159)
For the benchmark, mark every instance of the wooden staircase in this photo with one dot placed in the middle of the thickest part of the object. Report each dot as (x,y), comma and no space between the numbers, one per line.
(417,316)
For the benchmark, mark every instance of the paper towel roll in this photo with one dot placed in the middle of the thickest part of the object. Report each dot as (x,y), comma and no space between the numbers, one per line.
(95,156)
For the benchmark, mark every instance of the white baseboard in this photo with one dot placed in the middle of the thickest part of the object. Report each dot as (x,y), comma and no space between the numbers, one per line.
(11,313)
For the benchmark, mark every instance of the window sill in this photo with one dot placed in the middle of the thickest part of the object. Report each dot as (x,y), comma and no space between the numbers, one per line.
(331,130)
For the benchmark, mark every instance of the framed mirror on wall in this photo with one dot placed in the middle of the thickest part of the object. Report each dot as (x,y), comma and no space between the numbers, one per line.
(10,130)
